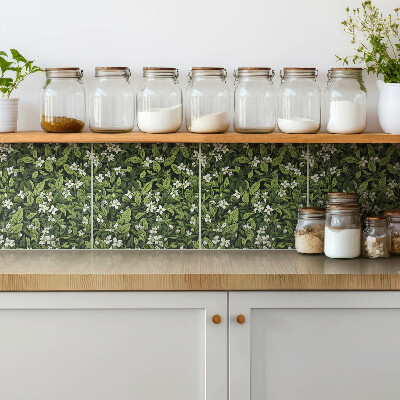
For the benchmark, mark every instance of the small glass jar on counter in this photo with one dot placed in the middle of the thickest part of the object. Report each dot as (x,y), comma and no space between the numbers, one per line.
(394,228)
(159,101)
(345,101)
(376,238)
(255,100)
(62,101)
(111,101)
(299,101)
(207,101)
(309,235)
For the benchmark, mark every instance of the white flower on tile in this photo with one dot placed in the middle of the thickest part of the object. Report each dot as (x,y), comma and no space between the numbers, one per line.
(39,162)
(115,204)
(237,194)
(7,203)
(21,194)
(223,204)
(100,219)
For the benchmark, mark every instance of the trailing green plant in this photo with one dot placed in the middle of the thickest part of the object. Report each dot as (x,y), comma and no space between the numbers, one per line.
(14,69)
(376,40)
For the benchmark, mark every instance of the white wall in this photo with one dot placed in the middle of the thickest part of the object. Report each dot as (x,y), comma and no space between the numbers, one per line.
(179,33)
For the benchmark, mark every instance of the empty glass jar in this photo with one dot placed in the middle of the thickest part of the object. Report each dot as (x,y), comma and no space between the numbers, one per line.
(111,101)
(345,101)
(376,238)
(255,100)
(159,101)
(62,103)
(310,228)
(299,101)
(207,101)
(394,228)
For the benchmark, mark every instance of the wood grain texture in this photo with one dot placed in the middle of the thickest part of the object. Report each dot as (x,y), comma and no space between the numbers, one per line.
(190,270)
(187,137)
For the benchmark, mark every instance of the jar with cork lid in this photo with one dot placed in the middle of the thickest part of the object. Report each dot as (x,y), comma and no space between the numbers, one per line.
(376,238)
(394,228)
(309,234)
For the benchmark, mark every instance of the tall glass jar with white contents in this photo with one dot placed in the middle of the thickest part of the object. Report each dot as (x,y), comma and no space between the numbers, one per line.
(255,100)
(111,101)
(345,101)
(299,101)
(159,101)
(207,101)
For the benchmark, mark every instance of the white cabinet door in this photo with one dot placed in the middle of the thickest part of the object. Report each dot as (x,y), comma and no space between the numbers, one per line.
(314,346)
(113,346)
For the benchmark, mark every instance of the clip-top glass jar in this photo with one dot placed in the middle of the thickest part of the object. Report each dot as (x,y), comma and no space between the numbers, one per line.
(62,104)
(207,101)
(299,101)
(376,238)
(255,100)
(309,236)
(345,101)
(111,101)
(159,101)
(394,228)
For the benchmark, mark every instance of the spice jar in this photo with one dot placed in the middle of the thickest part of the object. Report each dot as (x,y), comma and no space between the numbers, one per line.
(255,100)
(159,101)
(62,103)
(207,101)
(111,101)
(299,101)
(376,238)
(345,101)
(309,234)
(394,228)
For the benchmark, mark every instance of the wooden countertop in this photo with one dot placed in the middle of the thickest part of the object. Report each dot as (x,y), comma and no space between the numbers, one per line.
(158,270)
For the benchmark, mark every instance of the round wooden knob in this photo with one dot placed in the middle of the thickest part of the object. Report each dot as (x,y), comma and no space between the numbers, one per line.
(241,319)
(216,319)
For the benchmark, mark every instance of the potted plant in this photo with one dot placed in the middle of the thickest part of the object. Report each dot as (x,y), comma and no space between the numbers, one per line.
(377,44)
(14,70)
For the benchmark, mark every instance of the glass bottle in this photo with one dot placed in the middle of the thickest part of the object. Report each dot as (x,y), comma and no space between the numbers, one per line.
(394,228)
(376,238)
(62,104)
(159,101)
(309,234)
(111,101)
(299,101)
(345,101)
(255,100)
(207,101)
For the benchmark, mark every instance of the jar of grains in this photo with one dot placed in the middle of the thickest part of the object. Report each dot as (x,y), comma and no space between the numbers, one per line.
(62,103)
(299,101)
(394,228)
(376,238)
(207,101)
(309,235)
(255,100)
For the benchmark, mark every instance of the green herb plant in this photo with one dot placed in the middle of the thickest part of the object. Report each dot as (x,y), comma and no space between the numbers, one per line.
(376,40)
(17,66)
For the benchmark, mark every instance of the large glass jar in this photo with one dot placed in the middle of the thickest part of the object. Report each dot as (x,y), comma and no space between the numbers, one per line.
(255,100)
(345,101)
(376,238)
(62,101)
(299,101)
(342,231)
(309,236)
(207,101)
(111,101)
(159,101)
(394,228)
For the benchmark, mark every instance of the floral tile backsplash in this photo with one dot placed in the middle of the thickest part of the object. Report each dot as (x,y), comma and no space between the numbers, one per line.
(146,196)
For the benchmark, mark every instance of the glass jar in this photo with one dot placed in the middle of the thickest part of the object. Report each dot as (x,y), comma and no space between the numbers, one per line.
(342,231)
(345,101)
(62,101)
(394,228)
(159,101)
(343,198)
(255,100)
(299,101)
(376,238)
(207,101)
(309,234)
(111,101)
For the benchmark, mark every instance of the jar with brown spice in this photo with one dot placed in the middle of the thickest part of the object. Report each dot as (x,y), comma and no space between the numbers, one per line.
(309,235)
(376,238)
(394,228)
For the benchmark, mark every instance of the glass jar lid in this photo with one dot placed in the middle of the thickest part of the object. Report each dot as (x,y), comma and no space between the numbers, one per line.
(208,71)
(376,220)
(254,71)
(393,215)
(112,71)
(345,73)
(160,72)
(295,72)
(312,212)
(343,198)
(343,208)
(71,72)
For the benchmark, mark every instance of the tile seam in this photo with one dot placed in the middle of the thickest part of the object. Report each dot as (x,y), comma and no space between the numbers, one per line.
(199,161)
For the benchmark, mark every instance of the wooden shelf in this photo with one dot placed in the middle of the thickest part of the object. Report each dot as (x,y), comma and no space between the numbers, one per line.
(187,137)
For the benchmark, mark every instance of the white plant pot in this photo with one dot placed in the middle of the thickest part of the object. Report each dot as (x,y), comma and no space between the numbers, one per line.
(8,115)
(389,107)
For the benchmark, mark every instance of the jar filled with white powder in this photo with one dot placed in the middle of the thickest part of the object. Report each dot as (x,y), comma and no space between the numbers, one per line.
(255,100)
(159,101)
(207,100)
(299,101)
(345,101)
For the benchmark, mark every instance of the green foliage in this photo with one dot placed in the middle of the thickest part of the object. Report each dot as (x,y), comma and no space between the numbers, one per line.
(14,69)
